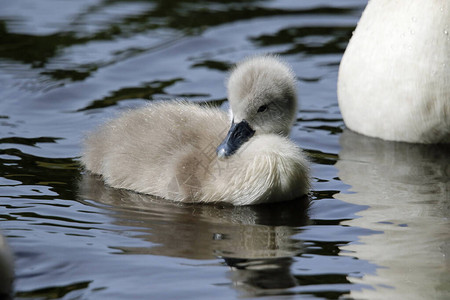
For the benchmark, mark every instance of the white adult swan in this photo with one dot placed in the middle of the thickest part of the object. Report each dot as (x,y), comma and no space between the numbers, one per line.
(394,78)
(168,149)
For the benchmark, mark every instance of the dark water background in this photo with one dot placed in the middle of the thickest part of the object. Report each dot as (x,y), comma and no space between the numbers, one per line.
(378,226)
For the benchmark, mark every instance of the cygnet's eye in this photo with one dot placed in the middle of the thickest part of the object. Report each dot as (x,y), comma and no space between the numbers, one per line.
(262,108)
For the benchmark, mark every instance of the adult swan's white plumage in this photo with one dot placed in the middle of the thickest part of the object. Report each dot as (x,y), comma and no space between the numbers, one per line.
(394,78)
(181,151)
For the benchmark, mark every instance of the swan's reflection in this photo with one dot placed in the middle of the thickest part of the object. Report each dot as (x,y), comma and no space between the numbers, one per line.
(407,189)
(256,242)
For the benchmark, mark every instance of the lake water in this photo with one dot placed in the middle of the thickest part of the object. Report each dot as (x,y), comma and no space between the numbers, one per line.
(378,224)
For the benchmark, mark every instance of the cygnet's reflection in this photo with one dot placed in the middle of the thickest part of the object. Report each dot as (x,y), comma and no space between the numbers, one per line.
(407,190)
(255,241)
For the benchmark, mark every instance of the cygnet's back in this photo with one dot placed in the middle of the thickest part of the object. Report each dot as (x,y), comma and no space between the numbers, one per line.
(149,149)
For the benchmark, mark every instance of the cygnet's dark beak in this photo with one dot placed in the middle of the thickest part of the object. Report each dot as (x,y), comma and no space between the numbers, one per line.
(239,133)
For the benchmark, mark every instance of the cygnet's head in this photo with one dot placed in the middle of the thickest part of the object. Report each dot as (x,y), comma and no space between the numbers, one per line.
(263,100)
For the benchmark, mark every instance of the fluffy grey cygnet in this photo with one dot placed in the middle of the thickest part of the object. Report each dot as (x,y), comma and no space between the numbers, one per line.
(181,151)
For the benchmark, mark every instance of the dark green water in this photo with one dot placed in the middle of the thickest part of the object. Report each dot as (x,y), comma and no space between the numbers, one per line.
(378,224)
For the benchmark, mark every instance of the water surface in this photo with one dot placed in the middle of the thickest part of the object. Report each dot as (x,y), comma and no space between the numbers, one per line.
(376,228)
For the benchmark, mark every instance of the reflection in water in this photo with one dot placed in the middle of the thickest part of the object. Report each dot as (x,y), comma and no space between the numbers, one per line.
(407,189)
(255,242)
(262,277)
